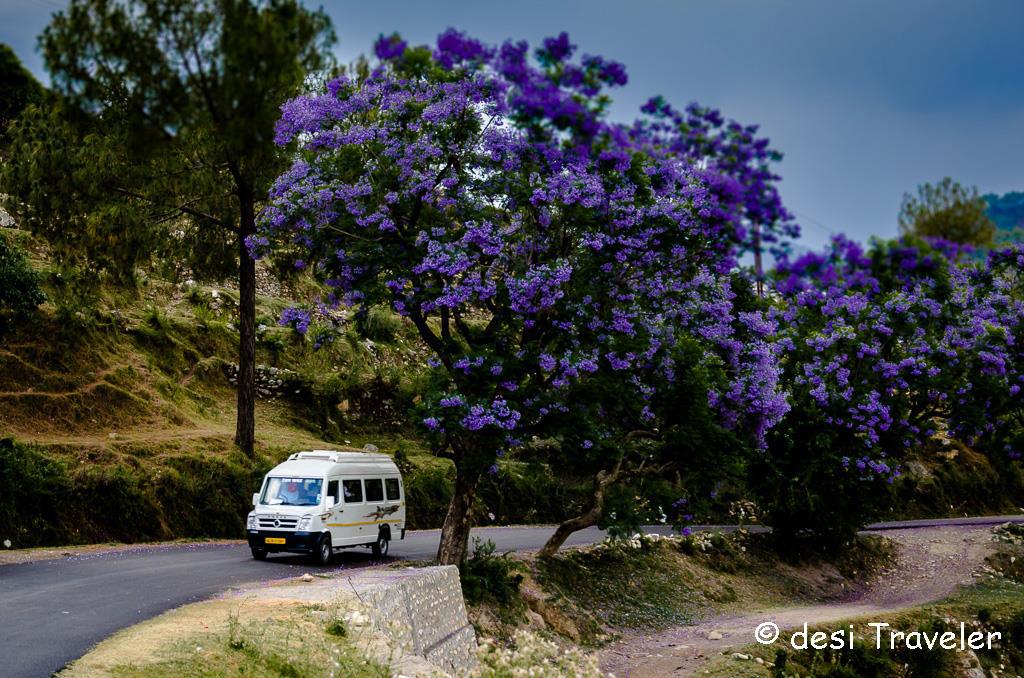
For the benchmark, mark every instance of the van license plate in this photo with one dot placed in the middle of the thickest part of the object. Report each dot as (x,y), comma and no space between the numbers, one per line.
(275,540)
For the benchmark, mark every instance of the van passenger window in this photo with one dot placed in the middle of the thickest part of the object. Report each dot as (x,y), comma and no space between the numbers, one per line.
(353,491)
(374,489)
(332,491)
(392,487)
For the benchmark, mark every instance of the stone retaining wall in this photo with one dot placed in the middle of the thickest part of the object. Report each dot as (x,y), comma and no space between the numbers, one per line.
(423,611)
(420,611)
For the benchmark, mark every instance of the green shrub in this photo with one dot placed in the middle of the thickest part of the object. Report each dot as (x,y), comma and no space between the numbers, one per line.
(336,627)
(519,494)
(928,663)
(490,578)
(44,502)
(33,491)
(379,324)
(427,494)
(75,294)
(810,500)
(1015,630)
(20,293)
(523,493)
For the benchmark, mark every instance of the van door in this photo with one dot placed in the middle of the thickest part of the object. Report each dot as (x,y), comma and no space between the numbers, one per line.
(334,508)
(376,512)
(355,507)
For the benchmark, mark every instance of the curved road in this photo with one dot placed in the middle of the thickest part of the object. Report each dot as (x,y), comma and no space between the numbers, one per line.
(53,611)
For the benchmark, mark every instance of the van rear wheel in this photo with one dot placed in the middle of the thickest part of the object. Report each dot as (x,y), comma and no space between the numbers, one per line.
(380,547)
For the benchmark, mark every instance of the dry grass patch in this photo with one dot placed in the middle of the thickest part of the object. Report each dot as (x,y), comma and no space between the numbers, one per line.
(232,637)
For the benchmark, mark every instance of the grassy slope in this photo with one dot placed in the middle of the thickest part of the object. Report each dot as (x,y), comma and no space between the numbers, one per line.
(117,419)
(591,595)
(117,415)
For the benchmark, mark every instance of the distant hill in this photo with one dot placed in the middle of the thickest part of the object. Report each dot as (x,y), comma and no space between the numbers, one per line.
(1007,211)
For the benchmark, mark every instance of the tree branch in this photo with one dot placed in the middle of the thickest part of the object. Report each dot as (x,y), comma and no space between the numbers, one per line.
(183,208)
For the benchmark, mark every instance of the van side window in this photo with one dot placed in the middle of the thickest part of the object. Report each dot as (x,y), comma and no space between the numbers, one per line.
(392,487)
(332,493)
(353,491)
(374,489)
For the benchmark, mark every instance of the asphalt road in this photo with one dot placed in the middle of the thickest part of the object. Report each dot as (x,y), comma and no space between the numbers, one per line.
(53,611)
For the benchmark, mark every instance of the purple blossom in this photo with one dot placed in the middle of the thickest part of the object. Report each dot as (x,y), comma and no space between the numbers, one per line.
(297,318)
(389,47)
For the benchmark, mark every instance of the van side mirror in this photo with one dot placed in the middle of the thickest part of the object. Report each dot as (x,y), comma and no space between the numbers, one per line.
(255,498)
(331,500)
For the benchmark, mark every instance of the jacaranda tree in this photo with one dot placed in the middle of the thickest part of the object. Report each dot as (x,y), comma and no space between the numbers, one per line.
(987,409)
(484,197)
(737,167)
(881,347)
(688,419)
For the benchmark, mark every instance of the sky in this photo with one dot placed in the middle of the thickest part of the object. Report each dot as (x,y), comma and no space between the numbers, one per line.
(867,99)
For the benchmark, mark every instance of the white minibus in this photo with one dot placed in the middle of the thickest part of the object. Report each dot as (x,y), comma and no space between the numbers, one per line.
(320,501)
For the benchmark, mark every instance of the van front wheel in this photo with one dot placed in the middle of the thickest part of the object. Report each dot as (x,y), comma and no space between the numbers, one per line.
(324,551)
(380,547)
(259,554)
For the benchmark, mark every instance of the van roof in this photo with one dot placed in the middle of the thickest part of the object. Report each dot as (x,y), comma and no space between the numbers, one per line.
(328,462)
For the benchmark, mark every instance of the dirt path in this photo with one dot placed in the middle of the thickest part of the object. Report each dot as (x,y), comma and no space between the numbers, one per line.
(932,563)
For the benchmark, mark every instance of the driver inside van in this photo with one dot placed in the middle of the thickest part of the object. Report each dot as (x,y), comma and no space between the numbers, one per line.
(289,493)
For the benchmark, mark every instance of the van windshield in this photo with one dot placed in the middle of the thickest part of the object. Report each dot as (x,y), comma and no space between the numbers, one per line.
(292,492)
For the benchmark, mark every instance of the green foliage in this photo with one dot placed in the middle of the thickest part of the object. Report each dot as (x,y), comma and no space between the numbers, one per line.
(1015,630)
(379,324)
(62,175)
(623,587)
(336,627)
(947,210)
(521,493)
(33,490)
(490,578)
(18,89)
(144,156)
(813,499)
(927,663)
(20,293)
(428,491)
(44,501)
(75,294)
(160,143)
(689,455)
(808,493)
(967,484)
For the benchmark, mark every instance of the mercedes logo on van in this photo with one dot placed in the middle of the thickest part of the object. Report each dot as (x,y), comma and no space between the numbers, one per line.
(277,522)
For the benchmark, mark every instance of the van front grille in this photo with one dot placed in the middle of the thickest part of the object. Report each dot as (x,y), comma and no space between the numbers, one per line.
(278,522)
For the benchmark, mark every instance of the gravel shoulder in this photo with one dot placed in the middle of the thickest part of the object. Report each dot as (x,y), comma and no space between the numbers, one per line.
(932,562)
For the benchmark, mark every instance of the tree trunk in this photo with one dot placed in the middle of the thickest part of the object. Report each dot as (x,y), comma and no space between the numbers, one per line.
(455,532)
(245,429)
(758,266)
(590,517)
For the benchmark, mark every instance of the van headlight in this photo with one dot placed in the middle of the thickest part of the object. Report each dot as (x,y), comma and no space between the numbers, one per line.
(250,522)
(304,522)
